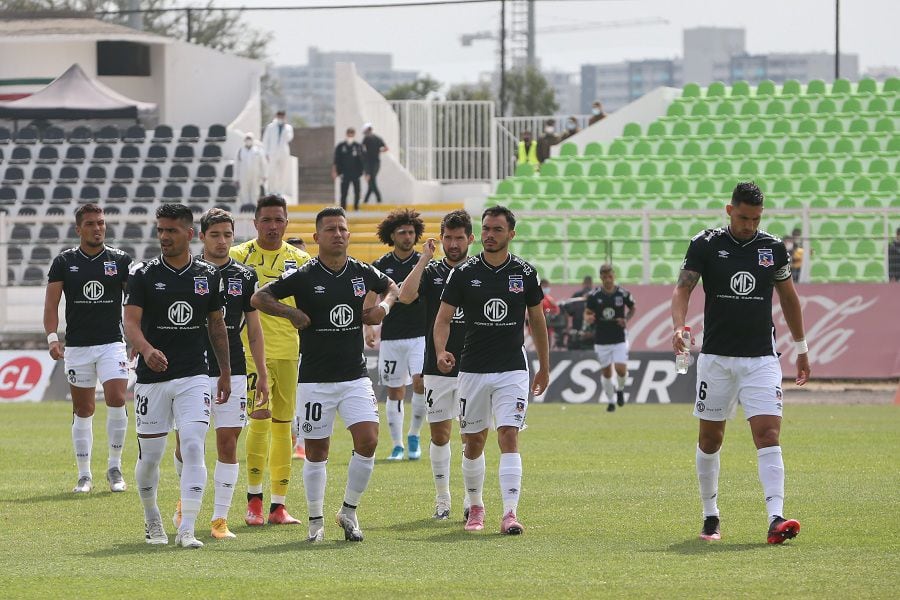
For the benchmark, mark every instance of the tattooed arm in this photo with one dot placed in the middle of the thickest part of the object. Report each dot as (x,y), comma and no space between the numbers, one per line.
(681,298)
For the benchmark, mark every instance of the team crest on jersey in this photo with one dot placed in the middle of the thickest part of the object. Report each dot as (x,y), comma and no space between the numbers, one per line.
(290,265)
(235,288)
(766,259)
(201,286)
(520,405)
(359,287)
(620,301)
(516,285)
(110,269)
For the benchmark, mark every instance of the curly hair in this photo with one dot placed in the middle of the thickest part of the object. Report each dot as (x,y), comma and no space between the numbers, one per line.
(397,218)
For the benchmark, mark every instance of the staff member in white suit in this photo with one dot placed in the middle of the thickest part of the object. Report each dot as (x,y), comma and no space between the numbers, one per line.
(277,144)
(250,166)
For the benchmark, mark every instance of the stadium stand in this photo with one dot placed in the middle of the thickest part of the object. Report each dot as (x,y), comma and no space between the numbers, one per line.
(822,147)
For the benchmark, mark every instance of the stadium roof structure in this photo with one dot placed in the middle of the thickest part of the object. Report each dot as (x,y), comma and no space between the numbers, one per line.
(74,95)
(61,25)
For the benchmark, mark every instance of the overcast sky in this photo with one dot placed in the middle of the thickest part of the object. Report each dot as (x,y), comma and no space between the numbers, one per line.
(427,39)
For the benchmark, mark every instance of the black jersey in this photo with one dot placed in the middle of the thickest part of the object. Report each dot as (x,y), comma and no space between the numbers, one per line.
(332,345)
(406,320)
(494,301)
(738,278)
(93,289)
(608,308)
(431,286)
(238,283)
(176,305)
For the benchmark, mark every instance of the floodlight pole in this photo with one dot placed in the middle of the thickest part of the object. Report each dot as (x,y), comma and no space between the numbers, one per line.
(502,58)
(837,39)
(190,24)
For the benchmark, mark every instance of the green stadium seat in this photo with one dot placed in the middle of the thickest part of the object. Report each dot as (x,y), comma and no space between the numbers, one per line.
(524,170)
(816,87)
(801,107)
(692,149)
(766,88)
(618,148)
(673,169)
(679,187)
(896,105)
(809,185)
(675,109)
(884,125)
(775,107)
(656,129)
(865,248)
(800,167)
(723,167)
(593,149)
(843,145)
(826,106)
(894,145)
(579,189)
(690,90)
(715,90)
(767,148)
(654,187)
(628,187)
(700,109)
(838,248)
(809,127)
(826,228)
(554,187)
(524,228)
(835,185)
(731,128)
(776,228)
(551,227)
(622,169)
(663,273)
(851,105)
(573,169)
(698,167)
(749,168)
(631,130)
(858,126)
(826,167)
(840,87)
(597,169)
(681,129)
(791,87)
(741,148)
(792,147)
(596,230)
(892,84)
(550,168)
(818,147)
(716,148)
(888,185)
(782,128)
(877,105)
(774,167)
(667,148)
(750,108)
(642,148)
(740,88)
(846,272)
(874,271)
(505,188)
(783,186)
(603,188)
(625,229)
(862,185)
(867,86)
(706,129)
(820,272)
(529,187)
(878,166)
(568,149)
(725,109)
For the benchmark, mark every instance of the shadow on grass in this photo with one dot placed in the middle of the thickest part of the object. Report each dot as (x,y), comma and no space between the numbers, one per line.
(130,548)
(697,546)
(58,497)
(302,545)
(417,525)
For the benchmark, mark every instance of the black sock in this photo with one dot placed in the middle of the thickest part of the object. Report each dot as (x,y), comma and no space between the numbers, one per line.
(274,506)
(252,496)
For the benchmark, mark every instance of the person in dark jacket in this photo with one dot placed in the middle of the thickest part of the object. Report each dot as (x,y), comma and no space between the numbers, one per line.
(348,165)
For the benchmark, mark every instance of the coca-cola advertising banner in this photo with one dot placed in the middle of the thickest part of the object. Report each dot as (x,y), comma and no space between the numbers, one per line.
(853,330)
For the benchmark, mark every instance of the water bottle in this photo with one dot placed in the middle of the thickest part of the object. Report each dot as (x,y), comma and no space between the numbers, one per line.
(683,360)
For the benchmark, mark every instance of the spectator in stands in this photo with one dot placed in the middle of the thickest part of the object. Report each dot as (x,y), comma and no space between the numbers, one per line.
(527,153)
(571,128)
(597,113)
(546,141)
(277,143)
(348,165)
(894,258)
(250,168)
(795,251)
(587,285)
(373,146)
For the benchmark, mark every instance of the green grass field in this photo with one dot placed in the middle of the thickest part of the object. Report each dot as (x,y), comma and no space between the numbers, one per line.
(609,504)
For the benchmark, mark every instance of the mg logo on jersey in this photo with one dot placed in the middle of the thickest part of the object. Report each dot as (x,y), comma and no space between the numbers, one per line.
(110,269)
(766,259)
(742,283)
(495,310)
(609,314)
(93,290)
(341,315)
(458,314)
(180,313)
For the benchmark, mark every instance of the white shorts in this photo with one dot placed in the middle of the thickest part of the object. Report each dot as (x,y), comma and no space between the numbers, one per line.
(86,364)
(440,398)
(725,381)
(609,354)
(234,412)
(159,406)
(399,360)
(318,402)
(501,395)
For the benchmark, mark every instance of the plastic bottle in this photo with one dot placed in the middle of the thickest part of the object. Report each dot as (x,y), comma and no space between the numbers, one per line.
(683,360)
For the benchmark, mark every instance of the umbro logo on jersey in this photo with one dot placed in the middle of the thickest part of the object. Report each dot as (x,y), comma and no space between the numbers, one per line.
(723,253)
(438,281)
(476,283)
(160,285)
(201,286)
(93,290)
(389,270)
(73,269)
(319,289)
(110,269)
(766,259)
(359,286)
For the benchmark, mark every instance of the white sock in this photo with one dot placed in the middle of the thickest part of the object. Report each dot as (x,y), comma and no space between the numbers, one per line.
(621,380)
(359,472)
(510,480)
(708,477)
(440,468)
(146,473)
(609,389)
(771,475)
(225,477)
(473,476)
(254,489)
(395,420)
(418,414)
(82,440)
(179,466)
(193,477)
(116,427)
(314,477)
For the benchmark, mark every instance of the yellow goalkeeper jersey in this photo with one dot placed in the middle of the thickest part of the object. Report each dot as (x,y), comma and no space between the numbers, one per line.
(281,339)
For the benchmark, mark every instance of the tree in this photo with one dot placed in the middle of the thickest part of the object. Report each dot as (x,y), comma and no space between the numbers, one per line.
(471,91)
(528,93)
(422,88)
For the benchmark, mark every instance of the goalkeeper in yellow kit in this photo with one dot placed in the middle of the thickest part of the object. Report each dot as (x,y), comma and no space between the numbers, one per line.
(269,432)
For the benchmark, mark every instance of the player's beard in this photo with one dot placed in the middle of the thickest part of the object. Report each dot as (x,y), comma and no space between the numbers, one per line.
(499,247)
(456,256)
(92,243)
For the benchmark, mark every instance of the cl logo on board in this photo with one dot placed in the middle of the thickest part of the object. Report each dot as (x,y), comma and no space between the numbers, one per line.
(742,283)
(93,290)
(341,315)
(495,310)
(180,313)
